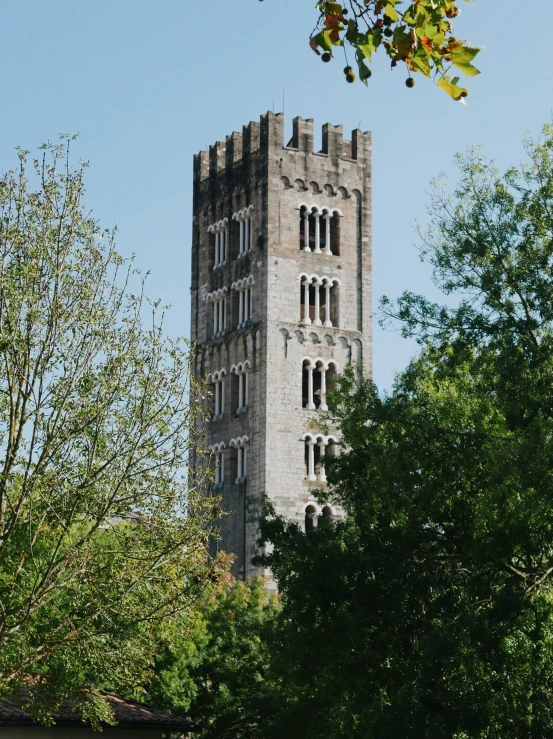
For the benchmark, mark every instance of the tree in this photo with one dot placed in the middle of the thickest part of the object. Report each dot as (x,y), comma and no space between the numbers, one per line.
(102,542)
(428,611)
(218,670)
(421,36)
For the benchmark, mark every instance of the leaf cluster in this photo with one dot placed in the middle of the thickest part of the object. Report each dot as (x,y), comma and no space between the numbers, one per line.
(421,36)
(427,611)
(103,539)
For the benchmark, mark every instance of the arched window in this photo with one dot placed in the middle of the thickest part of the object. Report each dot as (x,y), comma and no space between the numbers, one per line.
(240,388)
(317,374)
(310,518)
(217,380)
(316,446)
(220,243)
(320,229)
(319,300)
(242,306)
(326,518)
(219,462)
(218,303)
(245,234)
(239,458)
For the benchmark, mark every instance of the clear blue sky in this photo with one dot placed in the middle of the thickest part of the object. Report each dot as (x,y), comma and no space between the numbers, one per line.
(148,83)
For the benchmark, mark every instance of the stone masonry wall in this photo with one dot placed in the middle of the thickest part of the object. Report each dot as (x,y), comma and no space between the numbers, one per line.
(255,168)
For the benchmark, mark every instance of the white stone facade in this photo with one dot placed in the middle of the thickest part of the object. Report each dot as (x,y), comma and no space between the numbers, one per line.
(282,235)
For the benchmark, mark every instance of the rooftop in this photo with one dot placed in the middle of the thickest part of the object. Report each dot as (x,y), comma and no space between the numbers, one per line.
(128,714)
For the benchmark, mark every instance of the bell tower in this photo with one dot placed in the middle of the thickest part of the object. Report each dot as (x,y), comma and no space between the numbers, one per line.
(281,302)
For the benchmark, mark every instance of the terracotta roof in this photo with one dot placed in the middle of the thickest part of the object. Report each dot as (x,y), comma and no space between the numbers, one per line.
(128,714)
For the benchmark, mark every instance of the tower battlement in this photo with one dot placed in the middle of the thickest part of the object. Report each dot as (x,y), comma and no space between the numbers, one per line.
(281,302)
(267,135)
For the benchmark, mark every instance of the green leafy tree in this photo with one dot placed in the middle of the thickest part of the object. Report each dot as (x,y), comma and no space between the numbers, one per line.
(217,670)
(102,542)
(428,611)
(419,35)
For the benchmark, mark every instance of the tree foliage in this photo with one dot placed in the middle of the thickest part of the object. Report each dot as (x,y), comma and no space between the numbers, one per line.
(420,36)
(428,611)
(102,542)
(218,669)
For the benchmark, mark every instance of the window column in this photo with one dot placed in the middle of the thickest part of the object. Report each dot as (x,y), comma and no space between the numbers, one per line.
(239,471)
(251,234)
(311,459)
(240,308)
(324,406)
(240,391)
(305,286)
(306,246)
(317,249)
(322,445)
(327,218)
(217,404)
(310,402)
(241,241)
(215,317)
(221,315)
(328,322)
(317,320)
(246,233)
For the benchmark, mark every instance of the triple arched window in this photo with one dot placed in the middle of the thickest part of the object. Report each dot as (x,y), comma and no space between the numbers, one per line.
(317,374)
(218,300)
(217,379)
(243,300)
(240,390)
(319,300)
(221,243)
(316,445)
(245,234)
(320,229)
(239,458)
(314,517)
(219,459)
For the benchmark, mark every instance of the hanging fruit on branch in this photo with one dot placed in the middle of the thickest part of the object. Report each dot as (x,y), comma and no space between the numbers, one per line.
(421,36)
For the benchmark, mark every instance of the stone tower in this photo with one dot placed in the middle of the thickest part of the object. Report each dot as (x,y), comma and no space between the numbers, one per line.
(281,301)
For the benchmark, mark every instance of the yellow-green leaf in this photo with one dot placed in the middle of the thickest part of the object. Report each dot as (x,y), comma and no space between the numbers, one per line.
(391,13)
(449,85)
(463,58)
(368,47)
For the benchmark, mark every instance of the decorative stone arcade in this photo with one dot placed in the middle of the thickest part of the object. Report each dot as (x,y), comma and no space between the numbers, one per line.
(281,303)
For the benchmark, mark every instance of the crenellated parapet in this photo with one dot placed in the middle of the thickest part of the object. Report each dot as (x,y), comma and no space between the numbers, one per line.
(281,302)
(259,139)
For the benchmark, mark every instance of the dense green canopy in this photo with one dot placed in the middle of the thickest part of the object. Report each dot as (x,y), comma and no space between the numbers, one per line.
(428,610)
(103,543)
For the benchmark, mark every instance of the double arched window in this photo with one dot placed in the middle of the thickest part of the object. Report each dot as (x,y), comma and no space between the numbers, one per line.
(317,374)
(219,302)
(243,300)
(316,445)
(239,458)
(217,379)
(314,517)
(218,453)
(220,242)
(245,235)
(320,229)
(240,386)
(319,299)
